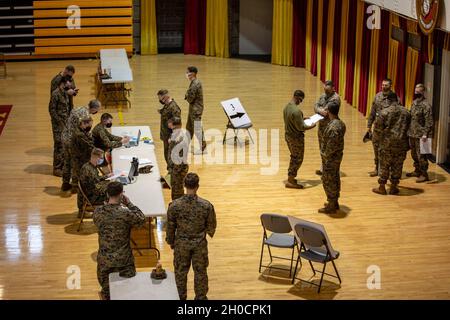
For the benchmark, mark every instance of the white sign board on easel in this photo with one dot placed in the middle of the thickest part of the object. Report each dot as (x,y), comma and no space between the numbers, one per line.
(236,113)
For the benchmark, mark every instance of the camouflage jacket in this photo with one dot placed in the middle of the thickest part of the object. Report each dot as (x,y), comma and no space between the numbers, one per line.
(91,182)
(294,123)
(73,123)
(178,148)
(379,103)
(394,121)
(167,112)
(114,223)
(190,218)
(194,96)
(322,105)
(333,140)
(104,140)
(59,107)
(81,145)
(421,119)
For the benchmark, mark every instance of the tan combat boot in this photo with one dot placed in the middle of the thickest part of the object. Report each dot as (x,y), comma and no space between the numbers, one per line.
(394,190)
(373,173)
(380,190)
(330,208)
(292,183)
(423,178)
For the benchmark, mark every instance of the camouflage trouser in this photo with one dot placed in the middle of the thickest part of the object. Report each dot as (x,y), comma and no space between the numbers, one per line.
(296,147)
(194,123)
(178,173)
(58,152)
(376,148)
(103,272)
(420,160)
(67,169)
(391,166)
(186,252)
(331,178)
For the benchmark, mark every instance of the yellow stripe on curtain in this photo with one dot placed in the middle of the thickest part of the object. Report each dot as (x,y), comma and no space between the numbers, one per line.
(373,69)
(217,28)
(360,24)
(330,35)
(412,60)
(283,11)
(149,37)
(393,50)
(319,37)
(309,22)
(344,44)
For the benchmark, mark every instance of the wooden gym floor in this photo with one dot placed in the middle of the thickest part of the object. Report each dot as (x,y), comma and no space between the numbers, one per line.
(407,236)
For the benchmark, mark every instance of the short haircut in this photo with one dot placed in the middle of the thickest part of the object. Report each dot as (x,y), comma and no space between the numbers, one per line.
(97,152)
(114,189)
(192,69)
(70,68)
(176,121)
(163,92)
(333,108)
(191,181)
(94,104)
(388,80)
(392,96)
(421,85)
(329,83)
(299,94)
(106,116)
(86,120)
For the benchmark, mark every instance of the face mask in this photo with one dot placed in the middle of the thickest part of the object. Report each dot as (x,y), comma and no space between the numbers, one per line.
(109,125)
(68,78)
(100,161)
(162,102)
(87,129)
(417,96)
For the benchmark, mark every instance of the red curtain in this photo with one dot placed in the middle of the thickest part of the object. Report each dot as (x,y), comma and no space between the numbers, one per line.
(314,38)
(336,44)
(423,59)
(401,62)
(383,52)
(299,33)
(351,51)
(365,66)
(195,27)
(323,58)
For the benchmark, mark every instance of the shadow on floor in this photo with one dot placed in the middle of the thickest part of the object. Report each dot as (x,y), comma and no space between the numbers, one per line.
(309,184)
(276,276)
(409,192)
(40,151)
(308,291)
(87,228)
(342,213)
(56,192)
(63,218)
(44,169)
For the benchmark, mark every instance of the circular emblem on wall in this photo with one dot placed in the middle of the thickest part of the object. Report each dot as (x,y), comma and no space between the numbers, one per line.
(427,14)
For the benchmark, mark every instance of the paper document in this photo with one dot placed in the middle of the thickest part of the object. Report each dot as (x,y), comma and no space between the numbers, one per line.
(117,173)
(144,161)
(127,157)
(313,120)
(425,147)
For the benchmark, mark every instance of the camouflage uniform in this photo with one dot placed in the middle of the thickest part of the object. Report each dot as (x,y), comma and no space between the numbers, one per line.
(421,125)
(93,185)
(114,223)
(189,219)
(73,124)
(295,136)
(322,105)
(104,140)
(80,148)
(380,102)
(194,96)
(332,152)
(394,121)
(177,157)
(167,112)
(59,110)
(55,83)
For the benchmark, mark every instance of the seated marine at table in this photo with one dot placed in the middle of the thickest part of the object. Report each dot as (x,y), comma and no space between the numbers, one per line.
(114,221)
(93,184)
(103,139)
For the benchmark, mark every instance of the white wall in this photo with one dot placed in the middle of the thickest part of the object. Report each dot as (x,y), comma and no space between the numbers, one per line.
(255,27)
(408,8)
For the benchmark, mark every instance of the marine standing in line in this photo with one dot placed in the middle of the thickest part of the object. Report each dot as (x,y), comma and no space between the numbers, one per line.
(421,129)
(189,219)
(321,108)
(114,222)
(177,157)
(380,102)
(332,152)
(67,75)
(394,123)
(194,96)
(295,128)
